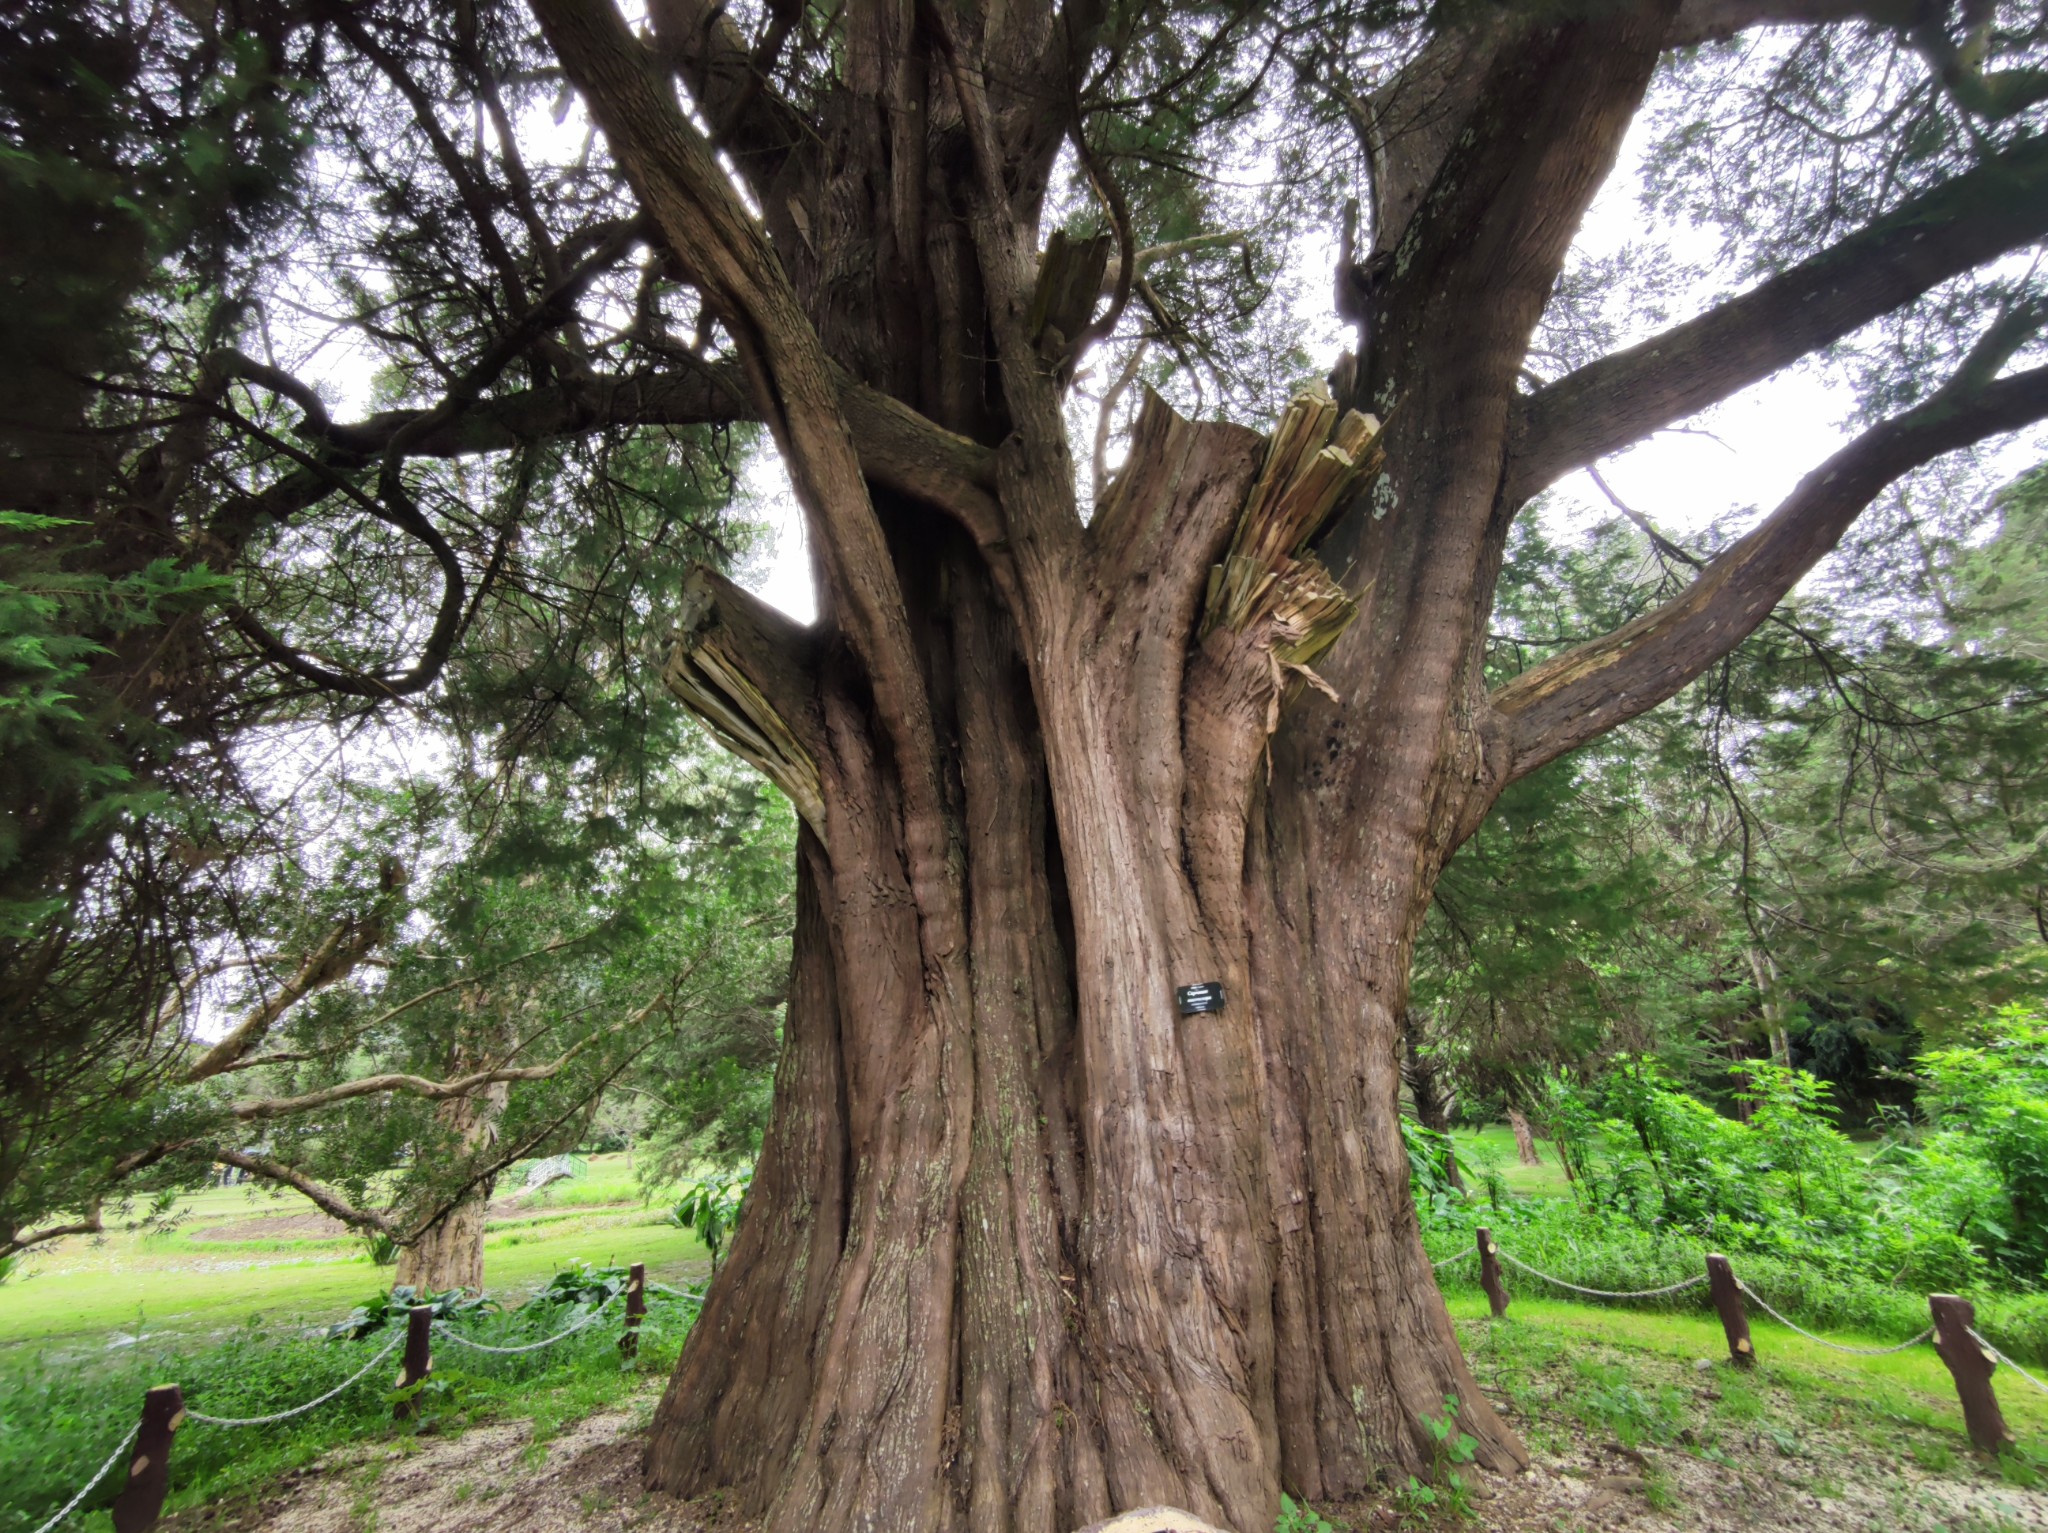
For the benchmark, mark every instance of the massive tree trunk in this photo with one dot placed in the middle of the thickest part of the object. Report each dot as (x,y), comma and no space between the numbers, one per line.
(1027,1245)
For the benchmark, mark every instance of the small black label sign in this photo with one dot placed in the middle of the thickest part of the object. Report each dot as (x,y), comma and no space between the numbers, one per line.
(1194,999)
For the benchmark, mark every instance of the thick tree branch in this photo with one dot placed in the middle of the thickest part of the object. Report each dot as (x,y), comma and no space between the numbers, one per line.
(702,43)
(1568,700)
(264,1108)
(22,1241)
(688,195)
(339,955)
(898,447)
(1999,206)
(323,1197)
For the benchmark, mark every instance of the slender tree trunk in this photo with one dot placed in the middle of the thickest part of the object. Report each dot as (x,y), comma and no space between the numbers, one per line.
(449,1253)
(1772,1005)
(1525,1139)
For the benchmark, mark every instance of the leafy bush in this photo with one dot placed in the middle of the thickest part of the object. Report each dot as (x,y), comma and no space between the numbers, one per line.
(586,1287)
(1841,1241)
(710,1208)
(384,1310)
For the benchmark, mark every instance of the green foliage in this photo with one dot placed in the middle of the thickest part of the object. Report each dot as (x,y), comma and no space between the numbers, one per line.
(1447,1491)
(59,1416)
(1842,1236)
(1300,1517)
(391,1308)
(710,1208)
(584,1287)
(1986,1161)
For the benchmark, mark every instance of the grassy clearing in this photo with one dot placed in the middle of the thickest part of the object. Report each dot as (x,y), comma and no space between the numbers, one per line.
(1618,1413)
(186,1278)
(58,1420)
(1494,1146)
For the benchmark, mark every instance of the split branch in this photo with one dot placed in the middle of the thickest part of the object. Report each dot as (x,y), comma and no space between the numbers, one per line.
(747,672)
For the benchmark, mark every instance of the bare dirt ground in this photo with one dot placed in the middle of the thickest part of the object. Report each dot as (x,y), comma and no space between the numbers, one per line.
(587,1480)
(492,1478)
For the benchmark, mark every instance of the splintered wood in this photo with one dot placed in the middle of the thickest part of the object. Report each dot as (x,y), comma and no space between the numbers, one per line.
(712,684)
(1313,462)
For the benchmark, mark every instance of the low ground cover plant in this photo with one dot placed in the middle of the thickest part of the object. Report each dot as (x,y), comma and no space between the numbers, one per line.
(1841,1235)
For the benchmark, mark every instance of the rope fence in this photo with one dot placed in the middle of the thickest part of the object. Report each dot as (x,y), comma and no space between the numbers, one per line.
(1839,1346)
(98,1475)
(1604,1293)
(298,1410)
(450,1334)
(1970,1358)
(140,1504)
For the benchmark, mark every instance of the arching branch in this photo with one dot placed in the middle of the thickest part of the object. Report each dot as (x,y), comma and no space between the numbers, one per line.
(1999,206)
(323,1197)
(1568,700)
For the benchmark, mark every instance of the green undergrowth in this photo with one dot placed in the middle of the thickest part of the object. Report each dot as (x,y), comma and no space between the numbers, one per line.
(60,1418)
(1552,1237)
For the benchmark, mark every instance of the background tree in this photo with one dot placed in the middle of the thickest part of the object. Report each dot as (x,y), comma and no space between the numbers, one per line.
(1822,849)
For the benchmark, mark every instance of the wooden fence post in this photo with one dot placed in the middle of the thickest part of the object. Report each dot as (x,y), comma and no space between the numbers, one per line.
(1971,1367)
(419,1358)
(636,1306)
(1489,1273)
(141,1501)
(1727,1295)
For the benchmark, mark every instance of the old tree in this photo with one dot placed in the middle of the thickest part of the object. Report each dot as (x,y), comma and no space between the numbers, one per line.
(1025,1245)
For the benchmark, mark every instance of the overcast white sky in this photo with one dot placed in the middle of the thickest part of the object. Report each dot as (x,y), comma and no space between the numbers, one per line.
(1748,452)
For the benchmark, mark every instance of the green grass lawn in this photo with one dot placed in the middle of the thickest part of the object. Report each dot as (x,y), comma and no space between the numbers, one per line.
(1494,1146)
(176,1280)
(1912,1386)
